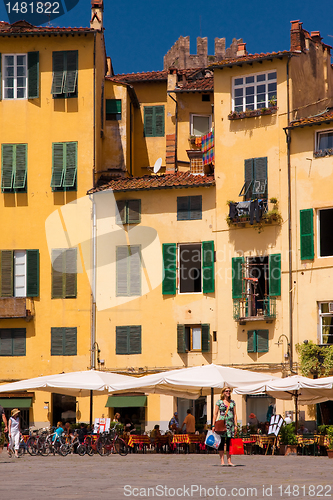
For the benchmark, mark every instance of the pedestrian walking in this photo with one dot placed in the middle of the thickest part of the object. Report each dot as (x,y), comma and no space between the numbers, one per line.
(14,431)
(225,409)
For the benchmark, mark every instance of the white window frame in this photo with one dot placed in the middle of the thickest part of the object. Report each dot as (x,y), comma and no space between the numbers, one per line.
(323,315)
(318,234)
(245,85)
(191,348)
(318,134)
(201,116)
(20,273)
(179,271)
(3,66)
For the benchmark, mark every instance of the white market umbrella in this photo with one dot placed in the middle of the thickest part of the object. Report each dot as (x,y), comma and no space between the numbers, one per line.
(81,383)
(193,382)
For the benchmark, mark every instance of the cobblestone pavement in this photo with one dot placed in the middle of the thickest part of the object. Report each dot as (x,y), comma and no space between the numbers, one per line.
(164,476)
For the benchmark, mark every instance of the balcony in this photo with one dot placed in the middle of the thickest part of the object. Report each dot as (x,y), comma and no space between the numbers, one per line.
(243,314)
(264,213)
(16,307)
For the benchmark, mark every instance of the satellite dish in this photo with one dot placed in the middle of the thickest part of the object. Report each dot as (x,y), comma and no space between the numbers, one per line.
(157,166)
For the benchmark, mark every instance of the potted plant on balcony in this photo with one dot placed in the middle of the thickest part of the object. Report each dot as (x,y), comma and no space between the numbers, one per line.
(329,431)
(288,439)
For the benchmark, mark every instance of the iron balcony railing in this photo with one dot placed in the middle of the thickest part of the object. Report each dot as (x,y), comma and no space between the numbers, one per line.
(242,312)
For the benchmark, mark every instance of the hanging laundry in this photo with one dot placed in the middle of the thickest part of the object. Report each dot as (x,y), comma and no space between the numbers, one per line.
(207,148)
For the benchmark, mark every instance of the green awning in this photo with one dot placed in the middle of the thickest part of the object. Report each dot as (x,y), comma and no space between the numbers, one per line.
(15,402)
(126,401)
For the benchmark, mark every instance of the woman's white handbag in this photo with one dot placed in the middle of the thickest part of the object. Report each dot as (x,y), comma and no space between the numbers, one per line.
(213,439)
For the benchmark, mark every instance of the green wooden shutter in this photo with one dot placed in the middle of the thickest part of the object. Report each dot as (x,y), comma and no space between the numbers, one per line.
(7,166)
(122,257)
(122,334)
(260,177)
(32,273)
(70,342)
(133,211)
(195,207)
(208,275)
(148,121)
(205,338)
(20,159)
(57,259)
(33,75)
(169,268)
(306,230)
(0,75)
(134,340)
(6,343)
(135,271)
(58,79)
(121,212)
(159,121)
(70,272)
(70,80)
(70,153)
(58,164)
(183,208)
(251,341)
(57,342)
(274,275)
(7,270)
(237,277)
(248,178)
(181,343)
(262,340)
(19,341)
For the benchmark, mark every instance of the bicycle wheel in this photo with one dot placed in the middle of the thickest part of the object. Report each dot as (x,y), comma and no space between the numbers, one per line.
(64,450)
(81,450)
(103,447)
(32,446)
(120,446)
(44,446)
(89,449)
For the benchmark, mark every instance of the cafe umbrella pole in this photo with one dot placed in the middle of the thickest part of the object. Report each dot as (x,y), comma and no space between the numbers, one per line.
(91,408)
(211,405)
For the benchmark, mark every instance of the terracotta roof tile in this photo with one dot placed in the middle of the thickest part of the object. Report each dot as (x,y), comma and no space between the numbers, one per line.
(141,77)
(25,27)
(202,84)
(327,116)
(152,182)
(248,58)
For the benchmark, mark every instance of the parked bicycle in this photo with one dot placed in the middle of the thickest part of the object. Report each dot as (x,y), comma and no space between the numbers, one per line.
(110,442)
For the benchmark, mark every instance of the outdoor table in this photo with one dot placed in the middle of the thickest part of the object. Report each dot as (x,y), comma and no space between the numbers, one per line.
(306,441)
(160,441)
(186,439)
(249,442)
(141,442)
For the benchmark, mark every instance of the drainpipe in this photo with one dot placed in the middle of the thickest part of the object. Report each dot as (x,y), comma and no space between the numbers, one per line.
(130,137)
(93,287)
(290,260)
(176,130)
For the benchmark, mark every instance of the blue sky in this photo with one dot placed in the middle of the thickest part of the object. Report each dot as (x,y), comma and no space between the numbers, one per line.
(138,34)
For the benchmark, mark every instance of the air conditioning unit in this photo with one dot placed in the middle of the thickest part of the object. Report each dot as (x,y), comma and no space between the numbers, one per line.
(330,307)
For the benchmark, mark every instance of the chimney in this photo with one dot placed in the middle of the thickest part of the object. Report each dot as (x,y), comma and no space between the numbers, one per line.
(315,35)
(241,49)
(97,8)
(297,38)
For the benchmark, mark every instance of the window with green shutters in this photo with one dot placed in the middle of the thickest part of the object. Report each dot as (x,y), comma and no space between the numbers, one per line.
(14,168)
(196,272)
(154,121)
(113,109)
(189,208)
(65,74)
(128,211)
(19,76)
(274,275)
(19,273)
(128,339)
(306,231)
(128,272)
(193,338)
(257,341)
(64,273)
(237,269)
(255,179)
(64,166)
(64,341)
(13,342)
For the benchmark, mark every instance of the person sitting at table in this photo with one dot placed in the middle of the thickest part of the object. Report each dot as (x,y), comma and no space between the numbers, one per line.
(253,421)
(129,426)
(302,430)
(83,431)
(155,433)
(189,422)
(174,423)
(116,417)
(266,427)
